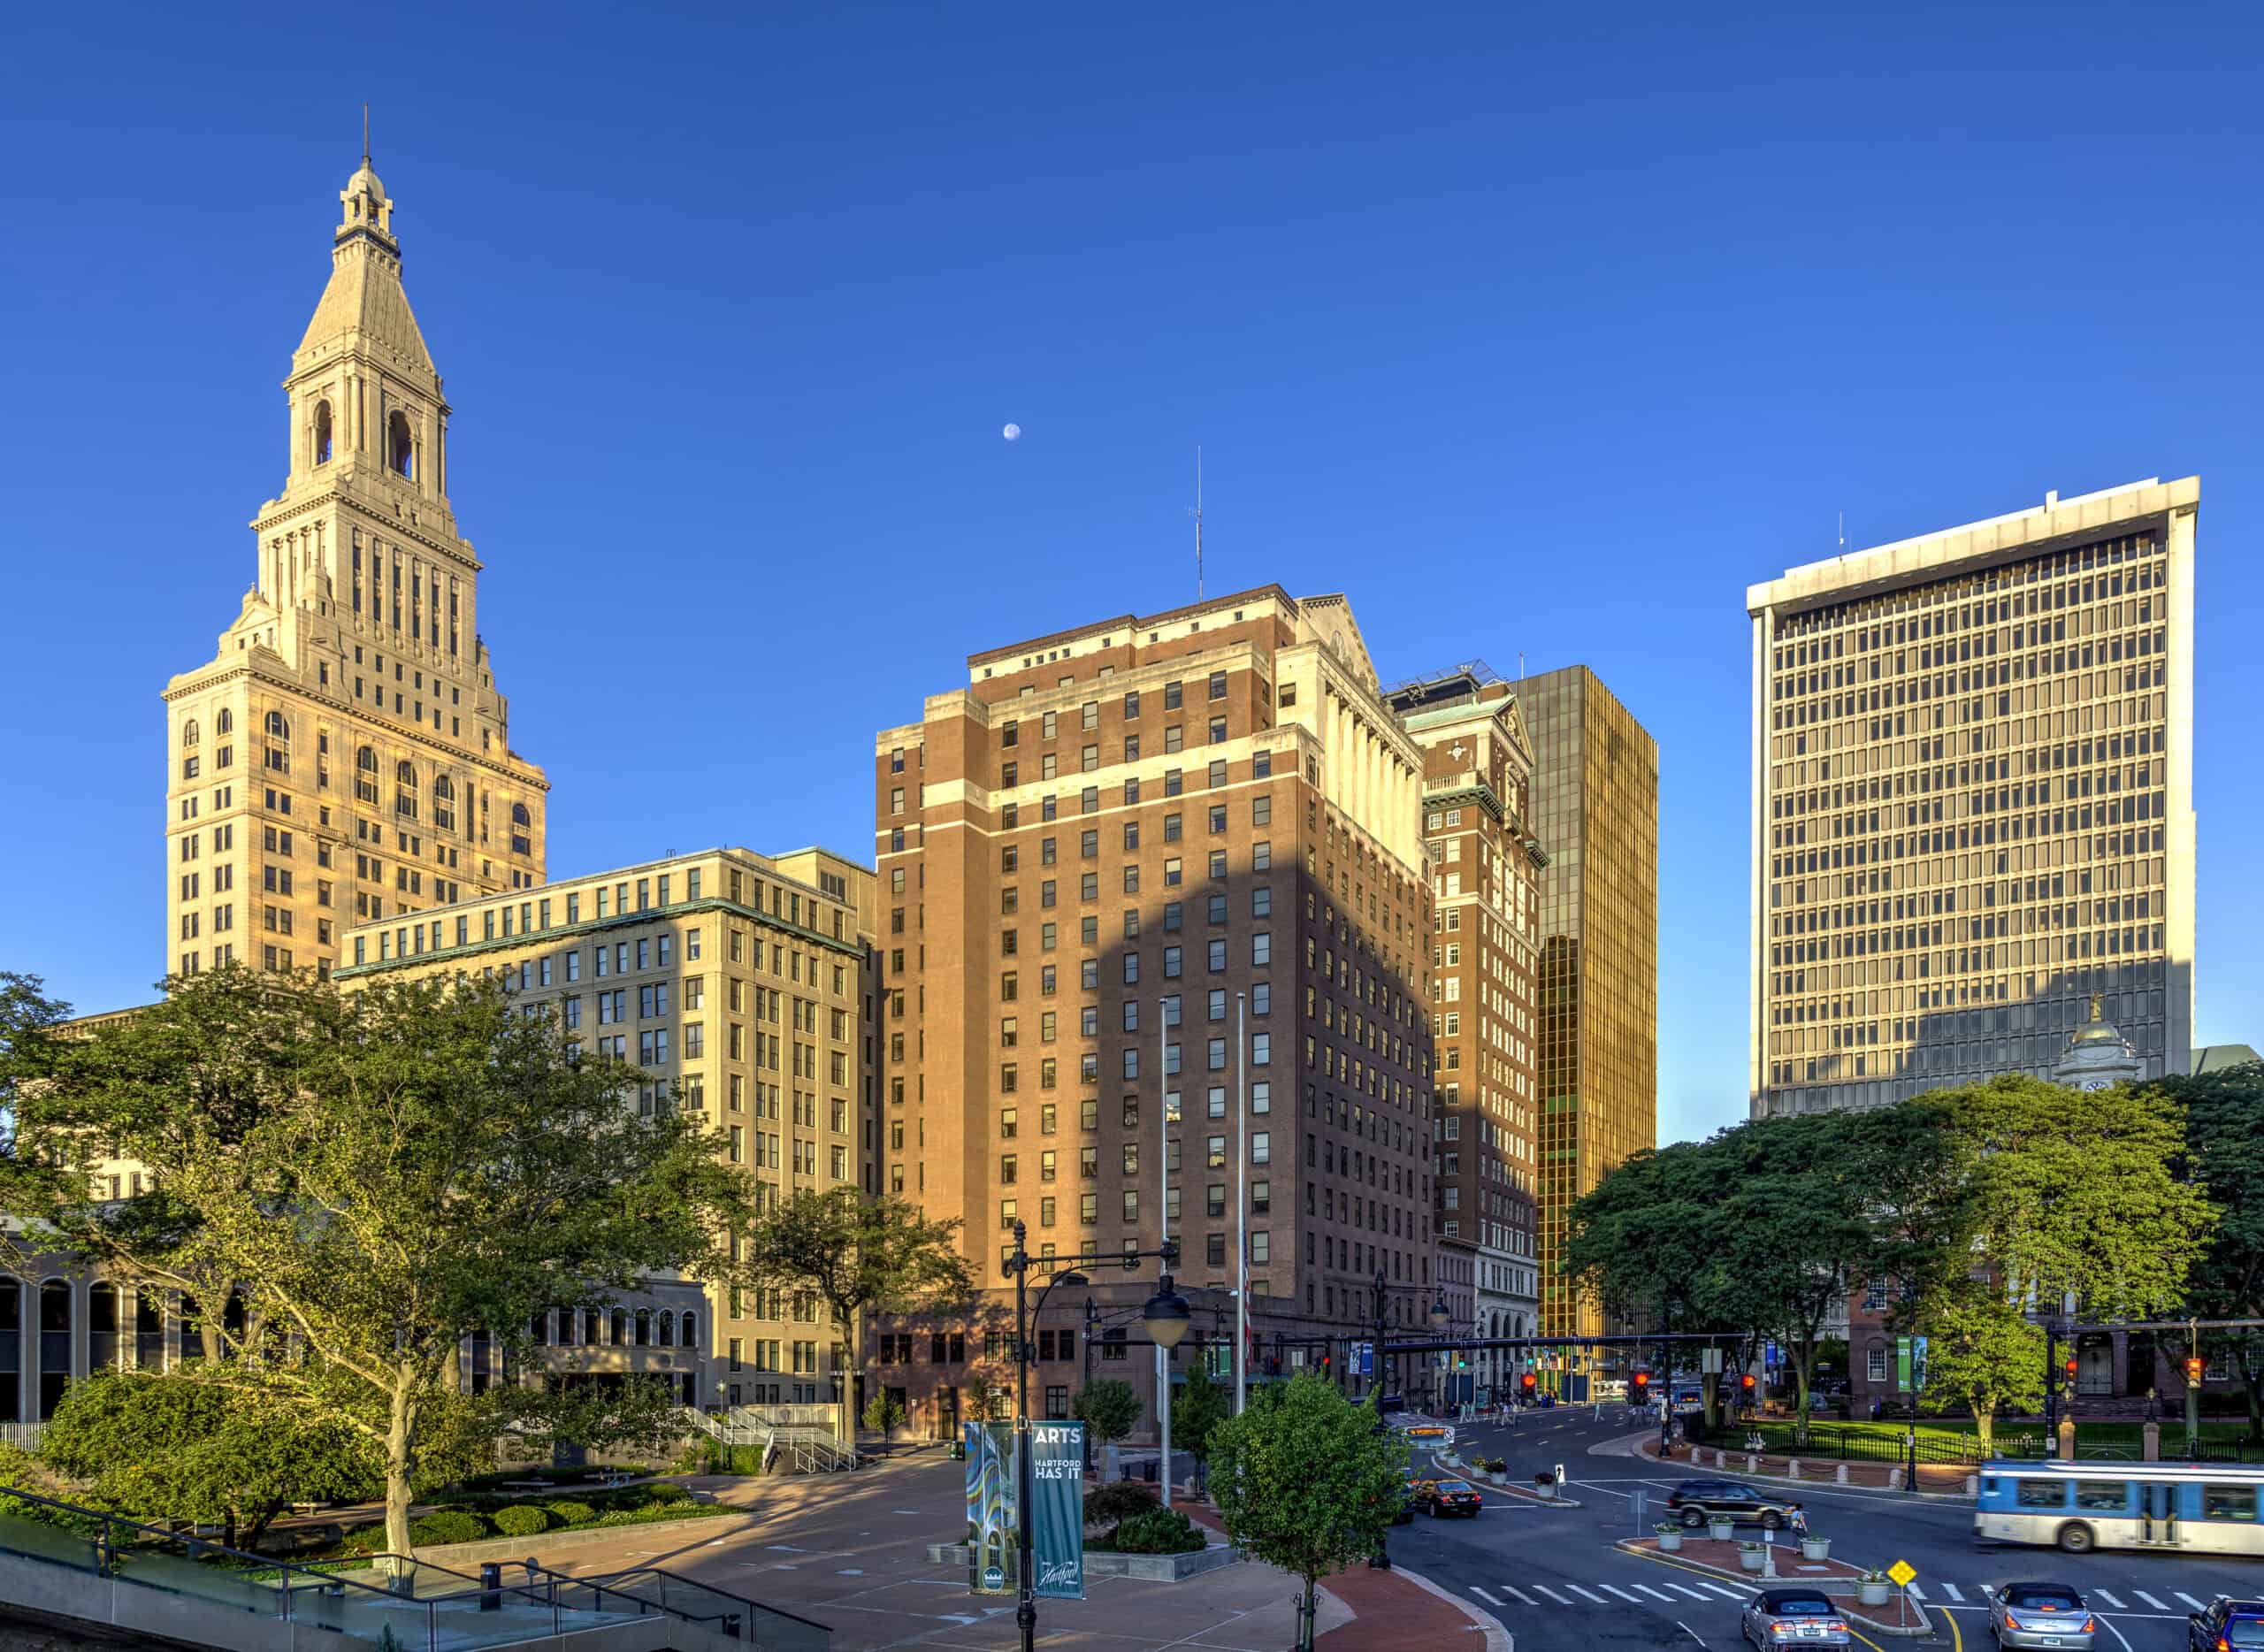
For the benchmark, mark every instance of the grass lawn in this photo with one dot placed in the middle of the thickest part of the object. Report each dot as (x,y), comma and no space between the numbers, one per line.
(1779,1433)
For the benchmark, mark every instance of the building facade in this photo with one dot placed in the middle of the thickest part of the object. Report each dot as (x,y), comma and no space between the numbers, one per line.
(1486,867)
(1972,801)
(345,756)
(1155,961)
(1597,812)
(740,986)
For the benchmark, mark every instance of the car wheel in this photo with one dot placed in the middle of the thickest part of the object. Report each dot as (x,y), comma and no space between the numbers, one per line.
(2076,1538)
(1770,1520)
(1693,1519)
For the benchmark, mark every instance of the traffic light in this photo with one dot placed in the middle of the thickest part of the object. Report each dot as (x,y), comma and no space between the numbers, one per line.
(1745,1383)
(2193,1372)
(2070,1367)
(1461,1364)
(1527,1382)
(1642,1383)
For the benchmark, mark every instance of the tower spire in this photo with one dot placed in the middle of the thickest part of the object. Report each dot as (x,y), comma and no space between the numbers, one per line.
(365,135)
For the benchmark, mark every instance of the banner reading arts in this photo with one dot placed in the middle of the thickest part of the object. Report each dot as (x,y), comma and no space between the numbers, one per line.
(1058,1509)
(993,1554)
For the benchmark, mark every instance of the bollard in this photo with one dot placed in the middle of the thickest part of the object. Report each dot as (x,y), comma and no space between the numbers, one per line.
(1972,1485)
(1752,1464)
(1719,1460)
(1793,1468)
(491,1585)
(1842,1476)
(1894,1478)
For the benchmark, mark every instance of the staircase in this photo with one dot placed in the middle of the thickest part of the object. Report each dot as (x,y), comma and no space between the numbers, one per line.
(799,1445)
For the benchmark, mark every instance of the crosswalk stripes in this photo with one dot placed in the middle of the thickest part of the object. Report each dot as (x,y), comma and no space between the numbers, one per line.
(2187,1598)
(1591,1593)
(1552,1594)
(1951,1590)
(1684,1589)
(1661,1594)
(1482,1596)
(1725,1592)
(1522,1598)
(2149,1599)
(1623,1593)
(2109,1599)
(1580,1596)
(1915,1591)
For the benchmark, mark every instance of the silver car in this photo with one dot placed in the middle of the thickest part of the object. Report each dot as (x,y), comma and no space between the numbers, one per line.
(2040,1615)
(1792,1617)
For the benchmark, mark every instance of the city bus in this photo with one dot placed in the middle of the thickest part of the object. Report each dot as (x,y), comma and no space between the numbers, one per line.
(2203,1508)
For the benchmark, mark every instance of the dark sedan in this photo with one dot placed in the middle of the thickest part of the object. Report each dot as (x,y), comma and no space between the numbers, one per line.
(1449,1497)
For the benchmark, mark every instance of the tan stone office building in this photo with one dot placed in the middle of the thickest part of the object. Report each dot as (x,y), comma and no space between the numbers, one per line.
(1972,801)
(1095,855)
(739,985)
(345,755)
(1486,867)
(1597,812)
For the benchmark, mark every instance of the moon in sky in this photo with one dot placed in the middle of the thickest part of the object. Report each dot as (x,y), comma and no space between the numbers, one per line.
(1012,432)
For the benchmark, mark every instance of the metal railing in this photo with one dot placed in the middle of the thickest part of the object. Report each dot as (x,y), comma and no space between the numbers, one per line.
(447,1607)
(807,1447)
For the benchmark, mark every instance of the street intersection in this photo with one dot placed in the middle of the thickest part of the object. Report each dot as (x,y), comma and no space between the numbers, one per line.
(1552,1576)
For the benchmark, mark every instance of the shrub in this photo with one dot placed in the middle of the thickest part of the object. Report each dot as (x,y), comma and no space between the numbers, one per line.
(522,1520)
(448,1525)
(627,1517)
(367,1538)
(667,1491)
(1160,1532)
(569,1512)
(1107,1505)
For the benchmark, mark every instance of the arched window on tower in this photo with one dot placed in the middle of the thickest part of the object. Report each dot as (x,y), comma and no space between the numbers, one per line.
(404,790)
(190,734)
(400,445)
(522,829)
(224,722)
(322,432)
(444,803)
(365,774)
(277,754)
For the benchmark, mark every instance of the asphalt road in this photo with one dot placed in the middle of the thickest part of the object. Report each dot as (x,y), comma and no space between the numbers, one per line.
(1553,1579)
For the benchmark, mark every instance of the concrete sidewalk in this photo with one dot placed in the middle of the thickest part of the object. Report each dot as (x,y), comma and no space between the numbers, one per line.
(850,1551)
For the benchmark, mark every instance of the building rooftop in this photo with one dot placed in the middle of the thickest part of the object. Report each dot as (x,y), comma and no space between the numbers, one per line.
(2217,1057)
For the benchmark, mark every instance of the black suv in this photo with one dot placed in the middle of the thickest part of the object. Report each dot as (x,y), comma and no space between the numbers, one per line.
(2226,1626)
(1696,1501)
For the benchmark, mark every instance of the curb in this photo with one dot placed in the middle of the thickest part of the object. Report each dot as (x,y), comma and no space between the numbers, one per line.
(1497,1639)
(1730,1458)
(1923,1629)
(1110,1563)
(1546,1503)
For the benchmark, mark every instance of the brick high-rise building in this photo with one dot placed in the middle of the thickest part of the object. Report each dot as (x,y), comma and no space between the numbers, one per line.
(345,755)
(1093,856)
(1486,867)
(1596,811)
(1972,801)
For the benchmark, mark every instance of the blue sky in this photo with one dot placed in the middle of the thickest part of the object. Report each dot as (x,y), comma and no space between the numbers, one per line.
(1536,333)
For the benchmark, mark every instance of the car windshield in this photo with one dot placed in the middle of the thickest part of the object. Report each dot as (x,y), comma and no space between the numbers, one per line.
(1802,1606)
(2044,1597)
(1454,1485)
(2244,1631)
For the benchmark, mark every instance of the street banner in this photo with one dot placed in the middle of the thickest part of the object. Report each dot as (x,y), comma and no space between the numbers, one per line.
(1902,1364)
(1917,1364)
(991,1549)
(1057,1495)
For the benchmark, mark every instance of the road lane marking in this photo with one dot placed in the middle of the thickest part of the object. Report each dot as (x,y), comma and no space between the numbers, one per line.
(1522,1599)
(1482,1596)
(2109,1599)
(1951,1589)
(1725,1592)
(1623,1593)
(1687,1630)
(1684,1589)
(1914,1591)
(2149,1599)
(1552,1594)
(1662,1594)
(1591,1593)
(2187,1598)
(2118,1633)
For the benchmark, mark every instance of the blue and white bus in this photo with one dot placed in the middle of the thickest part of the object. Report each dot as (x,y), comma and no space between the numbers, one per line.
(2079,1506)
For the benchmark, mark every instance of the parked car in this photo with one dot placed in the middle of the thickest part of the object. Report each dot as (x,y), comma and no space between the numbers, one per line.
(1449,1496)
(2226,1625)
(2039,1615)
(1775,1616)
(1406,1513)
(1695,1502)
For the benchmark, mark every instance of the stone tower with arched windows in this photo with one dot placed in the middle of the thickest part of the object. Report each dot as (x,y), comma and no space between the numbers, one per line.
(345,756)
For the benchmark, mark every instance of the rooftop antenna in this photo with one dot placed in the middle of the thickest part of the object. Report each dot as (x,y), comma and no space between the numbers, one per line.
(365,135)
(1198,522)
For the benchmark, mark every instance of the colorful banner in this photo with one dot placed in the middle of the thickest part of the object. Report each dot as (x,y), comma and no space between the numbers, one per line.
(991,1551)
(1057,1496)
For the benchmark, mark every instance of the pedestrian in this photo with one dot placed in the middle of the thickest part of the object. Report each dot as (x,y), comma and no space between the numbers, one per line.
(1799,1524)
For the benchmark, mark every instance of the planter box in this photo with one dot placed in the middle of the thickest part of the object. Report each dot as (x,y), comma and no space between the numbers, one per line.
(1815,1549)
(1750,1559)
(1103,1564)
(1670,1542)
(1721,1533)
(1872,1593)
(1547,1493)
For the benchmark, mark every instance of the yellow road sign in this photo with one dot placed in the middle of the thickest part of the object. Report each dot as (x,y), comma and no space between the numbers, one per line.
(1902,1571)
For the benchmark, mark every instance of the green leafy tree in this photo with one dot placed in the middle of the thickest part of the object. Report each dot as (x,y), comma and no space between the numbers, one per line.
(988,1400)
(2224,1121)
(1197,1409)
(379,1174)
(176,1447)
(1982,1355)
(883,1415)
(861,1257)
(1108,1407)
(1308,1482)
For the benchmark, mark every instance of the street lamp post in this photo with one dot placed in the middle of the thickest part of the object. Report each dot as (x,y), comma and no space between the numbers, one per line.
(1380,1561)
(1164,1318)
(1092,1319)
(1440,1315)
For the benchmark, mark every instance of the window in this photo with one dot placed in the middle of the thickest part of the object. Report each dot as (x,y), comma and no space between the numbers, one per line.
(1218,684)
(2099,1493)
(2227,1502)
(1875,1365)
(400,445)
(2041,1493)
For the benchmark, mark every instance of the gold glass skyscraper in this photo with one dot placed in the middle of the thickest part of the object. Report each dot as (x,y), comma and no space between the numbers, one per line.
(1972,801)
(1596,813)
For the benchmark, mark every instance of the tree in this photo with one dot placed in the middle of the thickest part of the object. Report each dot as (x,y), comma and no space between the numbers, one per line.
(178,1448)
(986,1398)
(861,1256)
(1197,1409)
(380,1175)
(884,1416)
(1982,1354)
(2223,1121)
(1308,1482)
(1109,1406)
